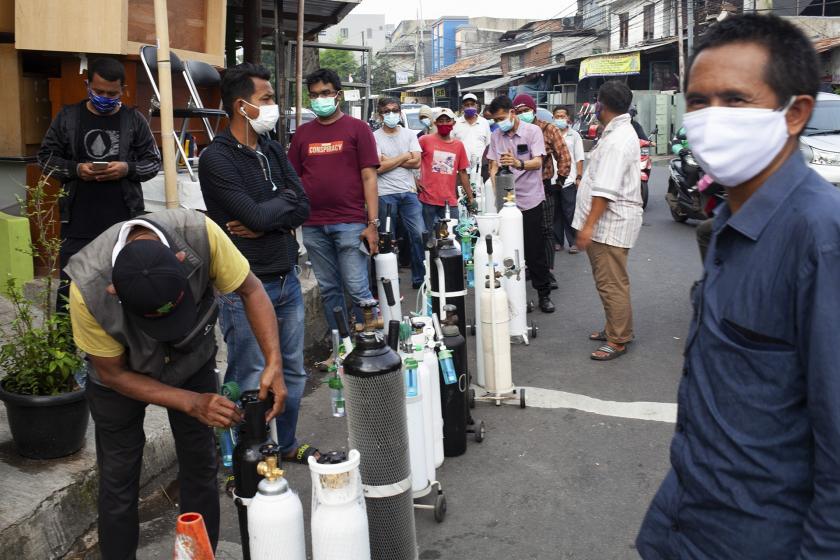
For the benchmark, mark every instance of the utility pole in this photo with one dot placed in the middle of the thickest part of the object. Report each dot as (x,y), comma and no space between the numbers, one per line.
(680,47)
(690,28)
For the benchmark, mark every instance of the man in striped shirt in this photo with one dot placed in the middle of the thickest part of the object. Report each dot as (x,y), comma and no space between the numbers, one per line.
(609,215)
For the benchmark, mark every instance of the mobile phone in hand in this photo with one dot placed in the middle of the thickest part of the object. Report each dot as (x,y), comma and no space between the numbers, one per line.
(99,165)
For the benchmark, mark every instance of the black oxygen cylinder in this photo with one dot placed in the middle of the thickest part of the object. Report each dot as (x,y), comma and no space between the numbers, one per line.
(454,280)
(253,434)
(453,396)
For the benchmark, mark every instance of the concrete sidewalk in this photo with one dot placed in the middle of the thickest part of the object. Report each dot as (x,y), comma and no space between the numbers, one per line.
(49,505)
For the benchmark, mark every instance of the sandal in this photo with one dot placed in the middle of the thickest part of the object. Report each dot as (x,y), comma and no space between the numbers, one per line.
(611,353)
(602,337)
(302,454)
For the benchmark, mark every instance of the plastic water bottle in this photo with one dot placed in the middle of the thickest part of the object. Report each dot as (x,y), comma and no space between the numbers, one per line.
(225,438)
(410,367)
(470,274)
(336,394)
(447,366)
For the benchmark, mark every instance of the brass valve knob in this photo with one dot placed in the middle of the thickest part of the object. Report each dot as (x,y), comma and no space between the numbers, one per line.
(269,469)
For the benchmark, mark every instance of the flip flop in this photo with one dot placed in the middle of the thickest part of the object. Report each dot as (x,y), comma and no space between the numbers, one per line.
(611,353)
(301,456)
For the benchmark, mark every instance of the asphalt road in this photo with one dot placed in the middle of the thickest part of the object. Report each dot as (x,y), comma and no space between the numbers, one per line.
(547,482)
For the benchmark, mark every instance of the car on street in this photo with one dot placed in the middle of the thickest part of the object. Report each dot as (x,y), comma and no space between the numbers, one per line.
(820,141)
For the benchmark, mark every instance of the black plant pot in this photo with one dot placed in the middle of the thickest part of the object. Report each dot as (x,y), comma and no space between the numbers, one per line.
(46,427)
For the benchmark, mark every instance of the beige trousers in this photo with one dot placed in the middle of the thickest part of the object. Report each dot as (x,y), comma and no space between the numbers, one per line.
(609,268)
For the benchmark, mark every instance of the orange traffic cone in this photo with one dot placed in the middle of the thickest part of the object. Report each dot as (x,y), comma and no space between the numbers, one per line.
(191,540)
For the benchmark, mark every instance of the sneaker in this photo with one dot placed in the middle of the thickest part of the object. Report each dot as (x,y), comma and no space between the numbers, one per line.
(546,305)
(573,250)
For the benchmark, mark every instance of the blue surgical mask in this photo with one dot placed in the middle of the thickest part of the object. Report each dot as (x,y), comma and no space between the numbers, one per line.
(391,120)
(102,104)
(323,106)
(527,117)
(426,122)
(505,125)
(561,123)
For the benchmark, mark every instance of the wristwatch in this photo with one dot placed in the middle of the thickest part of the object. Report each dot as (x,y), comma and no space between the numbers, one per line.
(521,165)
(374,222)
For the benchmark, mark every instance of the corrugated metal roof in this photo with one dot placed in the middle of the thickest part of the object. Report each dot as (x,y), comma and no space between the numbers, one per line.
(492,84)
(318,14)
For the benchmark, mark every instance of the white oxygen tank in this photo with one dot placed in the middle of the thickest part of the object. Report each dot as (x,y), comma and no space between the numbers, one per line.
(431,362)
(489,206)
(488,224)
(425,377)
(387,267)
(495,336)
(416,426)
(510,229)
(275,518)
(339,517)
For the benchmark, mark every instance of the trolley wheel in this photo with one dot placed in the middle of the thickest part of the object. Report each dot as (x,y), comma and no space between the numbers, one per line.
(479,432)
(440,507)
(533,330)
(471,398)
(471,328)
(521,398)
(530,307)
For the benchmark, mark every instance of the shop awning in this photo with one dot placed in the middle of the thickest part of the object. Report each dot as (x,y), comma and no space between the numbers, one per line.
(492,84)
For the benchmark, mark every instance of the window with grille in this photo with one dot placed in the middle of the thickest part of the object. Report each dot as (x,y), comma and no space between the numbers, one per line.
(623,29)
(648,22)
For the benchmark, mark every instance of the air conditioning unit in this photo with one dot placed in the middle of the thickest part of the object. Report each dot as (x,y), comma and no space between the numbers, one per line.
(568,22)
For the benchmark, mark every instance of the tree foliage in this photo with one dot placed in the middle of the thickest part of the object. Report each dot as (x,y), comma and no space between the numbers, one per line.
(343,62)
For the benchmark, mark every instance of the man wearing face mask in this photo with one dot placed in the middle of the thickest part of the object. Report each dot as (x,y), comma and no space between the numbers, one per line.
(520,147)
(399,156)
(566,193)
(557,153)
(99,129)
(254,195)
(472,129)
(756,452)
(336,158)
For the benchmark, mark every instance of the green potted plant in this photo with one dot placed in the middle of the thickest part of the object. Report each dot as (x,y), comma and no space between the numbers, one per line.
(46,407)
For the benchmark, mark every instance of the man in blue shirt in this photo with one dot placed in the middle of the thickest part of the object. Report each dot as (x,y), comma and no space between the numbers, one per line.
(756,454)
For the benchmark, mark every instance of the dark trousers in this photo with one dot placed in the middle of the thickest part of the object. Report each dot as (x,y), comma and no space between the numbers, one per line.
(69,247)
(535,257)
(119,456)
(704,237)
(564,214)
(548,223)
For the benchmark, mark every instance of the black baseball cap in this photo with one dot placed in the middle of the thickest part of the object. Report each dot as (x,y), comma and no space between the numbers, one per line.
(153,288)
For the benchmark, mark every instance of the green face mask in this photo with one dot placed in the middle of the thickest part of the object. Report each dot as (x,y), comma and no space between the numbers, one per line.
(323,106)
(527,117)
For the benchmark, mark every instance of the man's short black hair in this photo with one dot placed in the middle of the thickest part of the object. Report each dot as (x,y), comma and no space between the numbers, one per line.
(238,83)
(615,96)
(385,101)
(502,102)
(793,66)
(563,108)
(326,76)
(109,69)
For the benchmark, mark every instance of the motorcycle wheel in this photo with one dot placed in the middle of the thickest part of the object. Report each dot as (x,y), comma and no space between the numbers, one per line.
(676,212)
(678,216)
(644,194)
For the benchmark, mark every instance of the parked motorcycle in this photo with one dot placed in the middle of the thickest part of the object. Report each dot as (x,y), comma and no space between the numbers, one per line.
(646,163)
(691,195)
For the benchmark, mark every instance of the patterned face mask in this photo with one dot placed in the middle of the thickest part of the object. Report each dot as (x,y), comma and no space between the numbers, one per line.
(103,104)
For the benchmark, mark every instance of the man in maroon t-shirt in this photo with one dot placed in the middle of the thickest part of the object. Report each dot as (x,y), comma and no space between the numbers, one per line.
(336,158)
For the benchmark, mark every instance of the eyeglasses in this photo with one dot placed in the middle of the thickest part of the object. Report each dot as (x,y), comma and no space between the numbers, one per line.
(322,94)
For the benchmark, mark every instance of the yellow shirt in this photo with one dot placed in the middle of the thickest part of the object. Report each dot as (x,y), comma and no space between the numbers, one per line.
(228,269)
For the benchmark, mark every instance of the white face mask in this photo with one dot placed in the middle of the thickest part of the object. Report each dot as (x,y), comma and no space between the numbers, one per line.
(266,120)
(733,144)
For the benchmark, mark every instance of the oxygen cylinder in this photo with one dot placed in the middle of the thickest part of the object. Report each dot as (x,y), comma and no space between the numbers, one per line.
(512,254)
(253,434)
(505,181)
(430,360)
(376,421)
(275,515)
(454,395)
(425,376)
(339,517)
(416,427)
(495,334)
(447,276)
(488,224)
(387,267)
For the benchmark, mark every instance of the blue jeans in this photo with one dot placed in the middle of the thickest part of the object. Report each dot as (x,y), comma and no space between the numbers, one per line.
(339,265)
(411,214)
(432,213)
(246,360)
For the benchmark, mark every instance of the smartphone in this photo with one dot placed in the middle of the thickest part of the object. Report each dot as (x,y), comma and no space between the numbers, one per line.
(363,247)
(521,149)
(99,165)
